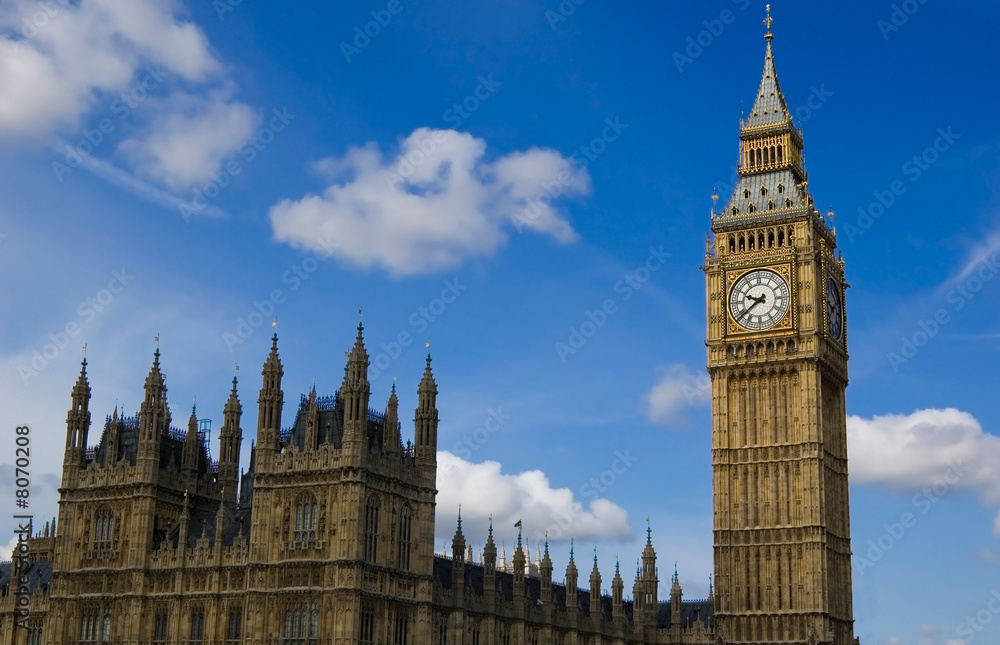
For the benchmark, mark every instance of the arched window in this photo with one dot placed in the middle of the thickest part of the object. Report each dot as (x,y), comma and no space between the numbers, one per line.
(305,518)
(781,237)
(742,243)
(752,208)
(746,193)
(781,187)
(197,625)
(763,191)
(104,528)
(405,522)
(770,205)
(781,155)
(371,530)
(732,242)
(788,202)
(301,623)
(235,625)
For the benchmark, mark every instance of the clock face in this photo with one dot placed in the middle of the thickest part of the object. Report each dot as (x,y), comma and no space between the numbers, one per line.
(759,299)
(834,309)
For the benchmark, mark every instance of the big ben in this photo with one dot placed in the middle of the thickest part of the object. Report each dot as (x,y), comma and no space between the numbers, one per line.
(777,357)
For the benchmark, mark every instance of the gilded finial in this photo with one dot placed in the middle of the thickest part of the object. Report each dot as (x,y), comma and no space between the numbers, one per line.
(767,21)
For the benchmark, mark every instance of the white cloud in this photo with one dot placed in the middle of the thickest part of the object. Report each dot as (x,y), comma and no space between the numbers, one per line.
(65,64)
(58,58)
(943,448)
(433,205)
(482,488)
(189,138)
(677,389)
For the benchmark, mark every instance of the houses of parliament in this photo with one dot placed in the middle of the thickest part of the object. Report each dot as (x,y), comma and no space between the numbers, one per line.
(327,538)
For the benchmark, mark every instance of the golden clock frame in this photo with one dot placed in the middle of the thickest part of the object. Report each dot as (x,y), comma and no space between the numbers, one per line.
(787,322)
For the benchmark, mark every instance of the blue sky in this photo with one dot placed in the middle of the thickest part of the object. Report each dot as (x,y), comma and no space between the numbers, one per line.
(495,178)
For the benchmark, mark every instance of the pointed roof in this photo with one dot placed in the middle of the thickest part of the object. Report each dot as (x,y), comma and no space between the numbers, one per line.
(82,386)
(155,377)
(427,383)
(770,107)
(273,363)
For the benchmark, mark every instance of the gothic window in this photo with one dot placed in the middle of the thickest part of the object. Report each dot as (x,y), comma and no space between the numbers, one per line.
(752,208)
(89,626)
(367,627)
(371,530)
(35,636)
(104,528)
(788,202)
(443,634)
(301,623)
(403,556)
(759,157)
(781,187)
(475,635)
(773,156)
(732,239)
(763,191)
(106,626)
(746,193)
(399,636)
(770,205)
(760,239)
(736,211)
(770,235)
(160,626)
(305,518)
(742,242)
(235,626)
(751,237)
(781,157)
(197,625)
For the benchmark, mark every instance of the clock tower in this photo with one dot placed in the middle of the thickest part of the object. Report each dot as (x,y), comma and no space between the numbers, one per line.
(777,356)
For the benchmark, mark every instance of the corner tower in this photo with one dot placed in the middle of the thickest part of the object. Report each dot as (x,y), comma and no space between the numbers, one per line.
(777,357)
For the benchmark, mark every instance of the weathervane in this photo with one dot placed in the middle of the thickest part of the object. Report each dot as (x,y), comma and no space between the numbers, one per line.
(768,20)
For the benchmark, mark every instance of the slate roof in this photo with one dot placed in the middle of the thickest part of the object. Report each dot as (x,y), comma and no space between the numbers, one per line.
(39,573)
(769,107)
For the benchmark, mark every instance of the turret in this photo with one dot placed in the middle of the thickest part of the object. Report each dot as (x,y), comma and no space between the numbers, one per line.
(392,442)
(426,419)
(270,402)
(648,582)
(490,565)
(545,571)
(312,422)
(230,441)
(458,563)
(355,392)
(518,561)
(154,420)
(595,591)
(675,600)
(189,458)
(617,595)
(77,427)
(572,579)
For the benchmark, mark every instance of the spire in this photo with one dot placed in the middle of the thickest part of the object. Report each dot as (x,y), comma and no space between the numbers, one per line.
(230,439)
(426,418)
(270,401)
(393,441)
(770,107)
(77,423)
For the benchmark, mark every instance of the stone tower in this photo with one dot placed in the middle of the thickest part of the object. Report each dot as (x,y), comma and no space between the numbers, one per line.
(777,357)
